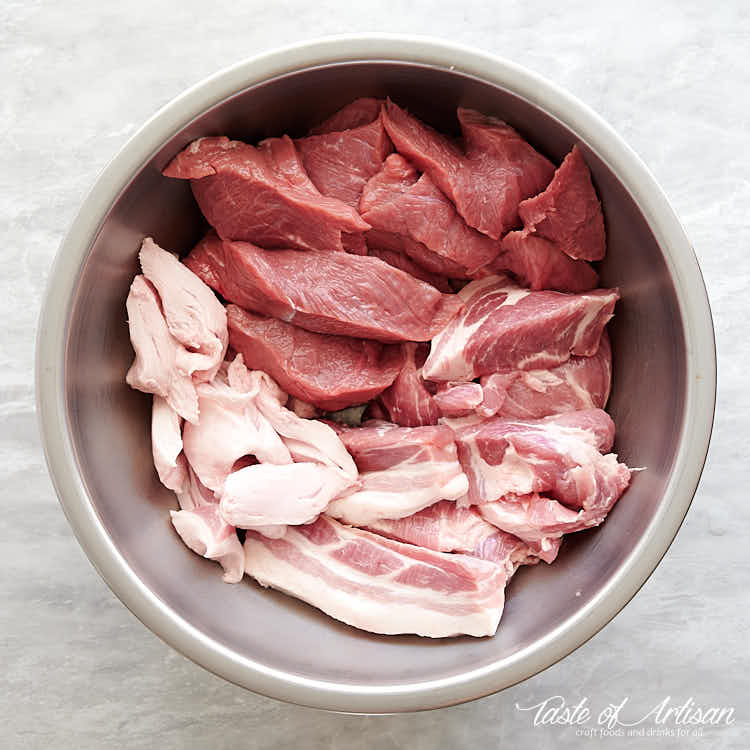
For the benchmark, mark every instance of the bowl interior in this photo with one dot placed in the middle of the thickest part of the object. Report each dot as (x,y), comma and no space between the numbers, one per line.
(109,423)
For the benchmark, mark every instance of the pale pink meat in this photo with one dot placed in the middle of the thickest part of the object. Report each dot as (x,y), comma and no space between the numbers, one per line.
(401,471)
(377,584)
(458,399)
(407,401)
(166,445)
(504,327)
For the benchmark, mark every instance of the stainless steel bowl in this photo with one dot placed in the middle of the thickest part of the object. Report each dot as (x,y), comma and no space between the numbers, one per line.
(96,430)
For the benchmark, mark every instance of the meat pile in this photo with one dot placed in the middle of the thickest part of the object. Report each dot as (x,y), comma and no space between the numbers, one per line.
(378,381)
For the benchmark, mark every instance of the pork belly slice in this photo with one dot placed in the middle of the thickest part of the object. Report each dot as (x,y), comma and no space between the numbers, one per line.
(271,495)
(447,527)
(503,327)
(568,213)
(407,401)
(377,584)
(580,383)
(401,471)
(262,195)
(334,293)
(360,112)
(538,263)
(397,200)
(329,372)
(487,179)
(340,163)
(559,455)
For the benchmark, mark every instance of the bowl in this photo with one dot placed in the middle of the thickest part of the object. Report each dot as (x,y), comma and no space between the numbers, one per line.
(96,430)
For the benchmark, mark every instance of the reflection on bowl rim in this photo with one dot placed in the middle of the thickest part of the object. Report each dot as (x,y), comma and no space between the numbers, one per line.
(700,374)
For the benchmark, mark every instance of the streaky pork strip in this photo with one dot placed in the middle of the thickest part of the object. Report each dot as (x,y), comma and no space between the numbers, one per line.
(559,455)
(377,584)
(336,293)
(262,195)
(504,327)
(327,371)
(401,471)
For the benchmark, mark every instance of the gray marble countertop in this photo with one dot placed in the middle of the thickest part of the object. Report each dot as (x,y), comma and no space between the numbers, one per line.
(78,670)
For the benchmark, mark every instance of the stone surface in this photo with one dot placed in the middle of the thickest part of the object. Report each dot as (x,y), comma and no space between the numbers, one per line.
(78,78)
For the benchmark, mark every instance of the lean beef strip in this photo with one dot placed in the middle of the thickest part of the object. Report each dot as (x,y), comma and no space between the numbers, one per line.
(503,327)
(397,200)
(568,213)
(407,401)
(447,527)
(401,471)
(579,383)
(360,112)
(559,455)
(262,195)
(487,181)
(333,293)
(329,372)
(377,584)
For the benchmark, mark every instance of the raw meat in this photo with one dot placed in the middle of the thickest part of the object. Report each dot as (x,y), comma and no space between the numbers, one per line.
(559,455)
(340,163)
(355,114)
(407,401)
(447,527)
(504,327)
(377,584)
(401,260)
(166,445)
(398,201)
(270,495)
(262,195)
(539,264)
(579,383)
(568,213)
(402,470)
(458,399)
(330,372)
(337,293)
(488,180)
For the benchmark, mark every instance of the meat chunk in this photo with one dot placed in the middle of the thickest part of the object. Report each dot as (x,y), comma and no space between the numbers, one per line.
(340,163)
(539,264)
(338,293)
(329,372)
(166,445)
(503,327)
(447,527)
(579,383)
(398,201)
(402,470)
(568,213)
(273,495)
(360,112)
(377,584)
(487,180)
(399,259)
(559,455)
(458,399)
(407,401)
(262,195)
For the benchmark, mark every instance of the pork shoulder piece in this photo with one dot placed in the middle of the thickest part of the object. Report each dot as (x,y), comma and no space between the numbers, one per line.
(458,399)
(398,201)
(339,164)
(487,180)
(401,471)
(329,372)
(335,293)
(579,383)
(559,455)
(447,527)
(360,112)
(262,195)
(568,213)
(377,584)
(273,495)
(503,327)
(407,401)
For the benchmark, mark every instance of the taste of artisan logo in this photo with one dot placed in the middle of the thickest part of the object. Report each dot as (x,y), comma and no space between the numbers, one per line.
(667,718)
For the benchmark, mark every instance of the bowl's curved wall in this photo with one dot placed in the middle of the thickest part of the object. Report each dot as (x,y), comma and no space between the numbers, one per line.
(290,643)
